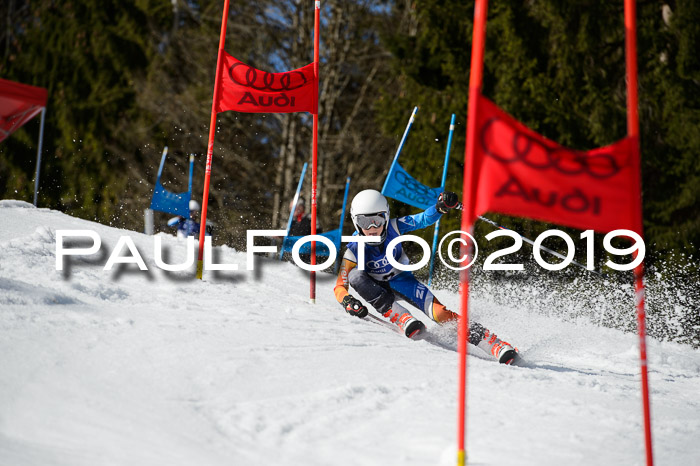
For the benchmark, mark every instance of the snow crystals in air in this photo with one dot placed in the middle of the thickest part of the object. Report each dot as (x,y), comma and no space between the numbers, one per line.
(143,368)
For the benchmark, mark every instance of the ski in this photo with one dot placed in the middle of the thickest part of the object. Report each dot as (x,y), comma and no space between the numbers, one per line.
(433,339)
(379,321)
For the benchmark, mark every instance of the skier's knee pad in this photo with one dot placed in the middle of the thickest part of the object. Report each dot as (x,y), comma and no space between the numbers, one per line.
(356,277)
(378,296)
(384,302)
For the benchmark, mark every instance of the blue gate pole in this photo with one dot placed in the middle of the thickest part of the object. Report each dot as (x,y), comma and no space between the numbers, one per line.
(189,185)
(444,180)
(294,207)
(162,163)
(345,201)
(398,151)
(38,155)
(342,219)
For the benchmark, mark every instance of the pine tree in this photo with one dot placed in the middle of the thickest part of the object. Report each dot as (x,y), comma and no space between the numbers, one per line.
(559,67)
(88,54)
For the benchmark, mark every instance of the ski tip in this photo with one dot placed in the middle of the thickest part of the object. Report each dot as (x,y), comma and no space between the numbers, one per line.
(420,334)
(517,361)
(415,330)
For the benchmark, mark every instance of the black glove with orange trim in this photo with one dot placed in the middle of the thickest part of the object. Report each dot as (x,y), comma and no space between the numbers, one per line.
(354,307)
(446,202)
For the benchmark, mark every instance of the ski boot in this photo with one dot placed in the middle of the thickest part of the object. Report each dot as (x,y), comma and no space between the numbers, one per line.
(410,326)
(501,350)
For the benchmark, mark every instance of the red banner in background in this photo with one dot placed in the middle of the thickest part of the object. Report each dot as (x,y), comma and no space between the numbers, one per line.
(19,103)
(524,174)
(249,90)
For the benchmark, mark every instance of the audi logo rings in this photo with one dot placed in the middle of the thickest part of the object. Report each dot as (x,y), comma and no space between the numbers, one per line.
(563,160)
(275,82)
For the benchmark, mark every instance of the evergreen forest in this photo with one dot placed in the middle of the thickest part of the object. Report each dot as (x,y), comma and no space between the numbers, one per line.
(126,78)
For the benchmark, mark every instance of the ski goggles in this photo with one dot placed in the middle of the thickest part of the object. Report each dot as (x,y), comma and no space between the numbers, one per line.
(370,221)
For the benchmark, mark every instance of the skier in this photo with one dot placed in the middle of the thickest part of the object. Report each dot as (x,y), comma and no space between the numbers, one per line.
(188,226)
(381,285)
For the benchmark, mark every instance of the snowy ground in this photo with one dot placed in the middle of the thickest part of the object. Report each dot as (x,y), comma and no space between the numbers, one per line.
(144,368)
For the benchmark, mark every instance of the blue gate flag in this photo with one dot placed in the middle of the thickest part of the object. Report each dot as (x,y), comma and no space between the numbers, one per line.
(169,202)
(321,248)
(403,187)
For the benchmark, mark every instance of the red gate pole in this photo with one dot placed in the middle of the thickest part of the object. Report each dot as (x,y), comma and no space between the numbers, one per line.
(468,194)
(314,161)
(210,146)
(633,133)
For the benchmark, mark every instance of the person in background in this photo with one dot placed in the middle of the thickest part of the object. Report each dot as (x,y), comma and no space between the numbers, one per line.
(301,226)
(301,221)
(188,226)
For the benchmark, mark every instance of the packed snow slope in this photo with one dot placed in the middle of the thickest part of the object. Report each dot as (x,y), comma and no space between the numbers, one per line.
(134,367)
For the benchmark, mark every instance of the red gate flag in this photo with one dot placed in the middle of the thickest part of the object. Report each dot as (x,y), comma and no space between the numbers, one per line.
(19,103)
(524,174)
(246,89)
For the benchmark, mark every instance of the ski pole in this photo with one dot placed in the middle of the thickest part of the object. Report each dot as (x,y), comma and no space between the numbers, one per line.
(442,186)
(530,242)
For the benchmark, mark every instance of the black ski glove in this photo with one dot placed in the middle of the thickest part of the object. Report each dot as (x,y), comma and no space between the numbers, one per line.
(446,201)
(354,307)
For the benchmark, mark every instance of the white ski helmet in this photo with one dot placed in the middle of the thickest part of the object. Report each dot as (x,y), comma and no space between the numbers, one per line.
(194,205)
(369,209)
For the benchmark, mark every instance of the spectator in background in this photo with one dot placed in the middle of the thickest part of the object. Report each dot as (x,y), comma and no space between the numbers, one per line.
(301,226)
(301,221)
(188,226)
